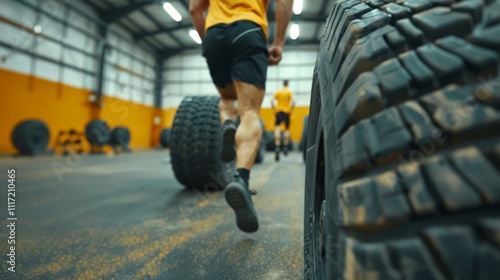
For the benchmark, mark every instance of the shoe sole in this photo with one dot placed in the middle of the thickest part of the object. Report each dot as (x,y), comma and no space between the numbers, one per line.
(239,199)
(228,152)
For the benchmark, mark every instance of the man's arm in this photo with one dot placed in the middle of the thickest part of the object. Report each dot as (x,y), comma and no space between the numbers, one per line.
(196,9)
(272,101)
(283,14)
(292,102)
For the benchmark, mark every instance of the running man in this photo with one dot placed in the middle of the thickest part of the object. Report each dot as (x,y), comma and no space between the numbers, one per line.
(234,35)
(283,109)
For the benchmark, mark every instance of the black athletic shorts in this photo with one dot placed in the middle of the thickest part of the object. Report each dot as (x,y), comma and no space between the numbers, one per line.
(283,117)
(236,51)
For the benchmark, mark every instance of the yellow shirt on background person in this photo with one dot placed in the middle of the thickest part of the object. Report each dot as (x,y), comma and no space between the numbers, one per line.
(284,97)
(229,11)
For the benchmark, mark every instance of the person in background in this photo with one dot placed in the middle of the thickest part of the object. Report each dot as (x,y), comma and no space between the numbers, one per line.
(234,43)
(283,108)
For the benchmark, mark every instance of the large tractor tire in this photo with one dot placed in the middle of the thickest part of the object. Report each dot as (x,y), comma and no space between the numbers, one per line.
(269,141)
(403,146)
(195,145)
(165,137)
(98,132)
(31,137)
(120,136)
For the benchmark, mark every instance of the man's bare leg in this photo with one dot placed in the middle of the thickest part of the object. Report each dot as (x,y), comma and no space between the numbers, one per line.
(227,106)
(286,137)
(249,131)
(228,112)
(277,136)
(248,135)
(277,142)
(286,140)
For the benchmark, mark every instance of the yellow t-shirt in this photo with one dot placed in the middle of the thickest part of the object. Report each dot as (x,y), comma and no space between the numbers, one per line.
(229,11)
(284,97)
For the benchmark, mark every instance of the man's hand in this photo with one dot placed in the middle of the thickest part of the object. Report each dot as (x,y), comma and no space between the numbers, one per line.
(283,13)
(275,52)
(196,9)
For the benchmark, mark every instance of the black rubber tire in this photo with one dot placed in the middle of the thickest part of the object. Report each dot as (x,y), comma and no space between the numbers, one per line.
(303,139)
(165,137)
(403,146)
(196,145)
(98,132)
(259,158)
(31,137)
(269,141)
(120,136)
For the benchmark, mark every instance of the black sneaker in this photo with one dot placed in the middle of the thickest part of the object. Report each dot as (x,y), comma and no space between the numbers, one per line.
(277,154)
(238,196)
(285,150)
(228,152)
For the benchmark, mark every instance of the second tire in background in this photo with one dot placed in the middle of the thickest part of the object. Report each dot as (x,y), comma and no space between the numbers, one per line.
(195,144)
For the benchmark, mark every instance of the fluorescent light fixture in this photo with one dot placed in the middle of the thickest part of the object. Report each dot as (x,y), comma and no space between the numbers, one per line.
(297,6)
(196,37)
(172,11)
(294,31)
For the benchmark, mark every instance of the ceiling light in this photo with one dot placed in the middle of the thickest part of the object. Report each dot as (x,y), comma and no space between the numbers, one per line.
(196,37)
(172,11)
(297,6)
(294,31)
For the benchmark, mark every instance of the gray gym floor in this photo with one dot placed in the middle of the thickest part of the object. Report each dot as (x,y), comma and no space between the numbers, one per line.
(126,217)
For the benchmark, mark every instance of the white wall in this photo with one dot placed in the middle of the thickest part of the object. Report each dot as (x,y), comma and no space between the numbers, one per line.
(117,83)
(137,84)
(187,74)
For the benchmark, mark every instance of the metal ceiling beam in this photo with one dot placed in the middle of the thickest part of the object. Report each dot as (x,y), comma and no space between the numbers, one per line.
(147,46)
(158,86)
(115,14)
(139,28)
(163,30)
(102,51)
(159,26)
(184,25)
(94,19)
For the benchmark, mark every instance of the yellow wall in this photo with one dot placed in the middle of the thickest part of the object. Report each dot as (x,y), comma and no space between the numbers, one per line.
(64,107)
(296,121)
(168,116)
